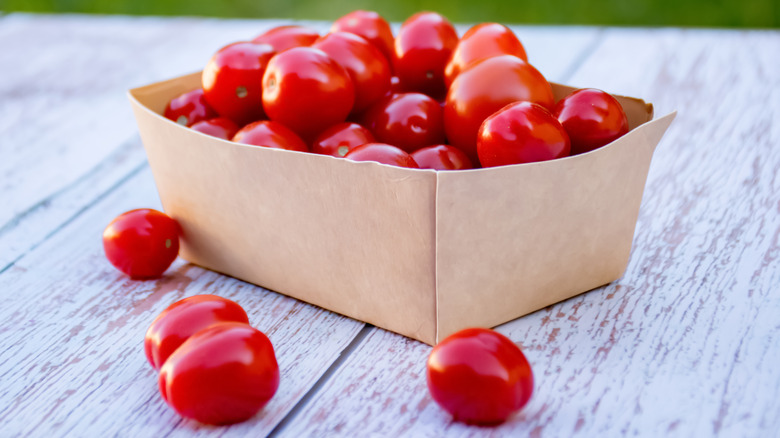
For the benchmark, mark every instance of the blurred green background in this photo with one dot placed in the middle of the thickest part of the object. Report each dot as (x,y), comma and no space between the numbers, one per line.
(699,13)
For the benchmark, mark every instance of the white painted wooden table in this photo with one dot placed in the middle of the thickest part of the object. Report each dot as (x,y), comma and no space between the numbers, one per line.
(686,344)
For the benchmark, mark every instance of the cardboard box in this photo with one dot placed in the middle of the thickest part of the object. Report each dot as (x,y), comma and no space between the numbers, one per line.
(417,252)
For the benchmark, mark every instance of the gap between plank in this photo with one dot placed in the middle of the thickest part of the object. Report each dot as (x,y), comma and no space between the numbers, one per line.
(135,171)
(356,341)
(583,56)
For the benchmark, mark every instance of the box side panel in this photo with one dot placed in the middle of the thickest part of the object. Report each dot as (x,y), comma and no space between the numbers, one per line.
(355,238)
(514,239)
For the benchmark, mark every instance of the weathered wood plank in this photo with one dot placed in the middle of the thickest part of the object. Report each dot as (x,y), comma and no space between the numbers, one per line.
(72,327)
(685,344)
(67,131)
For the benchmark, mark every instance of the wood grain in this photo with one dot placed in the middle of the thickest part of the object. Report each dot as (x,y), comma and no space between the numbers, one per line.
(685,344)
(71,336)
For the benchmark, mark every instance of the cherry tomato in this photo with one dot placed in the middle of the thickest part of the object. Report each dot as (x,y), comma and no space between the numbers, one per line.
(484,40)
(484,88)
(442,157)
(479,376)
(222,374)
(183,319)
(307,91)
(370,26)
(407,120)
(271,135)
(189,108)
(592,118)
(286,37)
(521,132)
(422,48)
(142,243)
(382,153)
(232,81)
(217,127)
(340,139)
(366,65)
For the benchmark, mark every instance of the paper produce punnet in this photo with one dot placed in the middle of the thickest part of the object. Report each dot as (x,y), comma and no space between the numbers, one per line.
(418,252)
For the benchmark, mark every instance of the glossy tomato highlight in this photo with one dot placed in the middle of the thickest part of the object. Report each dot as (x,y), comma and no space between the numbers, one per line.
(270,134)
(484,40)
(369,25)
(307,91)
(592,118)
(479,376)
(486,87)
(521,132)
(222,374)
(339,139)
(382,153)
(367,66)
(189,108)
(142,243)
(442,157)
(286,37)
(406,120)
(184,318)
(422,48)
(232,81)
(219,127)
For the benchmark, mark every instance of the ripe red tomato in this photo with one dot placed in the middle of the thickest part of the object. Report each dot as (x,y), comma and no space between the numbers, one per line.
(222,374)
(232,81)
(183,319)
(217,127)
(367,66)
(382,153)
(592,118)
(142,243)
(486,87)
(422,48)
(271,135)
(307,91)
(370,26)
(521,132)
(479,376)
(340,139)
(189,108)
(407,120)
(484,40)
(441,157)
(286,37)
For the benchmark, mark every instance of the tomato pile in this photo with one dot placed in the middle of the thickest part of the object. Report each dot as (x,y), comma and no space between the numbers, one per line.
(423,98)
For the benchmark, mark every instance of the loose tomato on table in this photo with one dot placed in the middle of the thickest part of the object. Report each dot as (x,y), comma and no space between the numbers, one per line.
(422,48)
(184,318)
(382,153)
(485,87)
(592,118)
(442,157)
(219,127)
(367,66)
(407,120)
(232,81)
(189,108)
(484,40)
(270,134)
(222,374)
(142,243)
(369,25)
(339,139)
(479,376)
(521,132)
(286,37)
(307,91)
